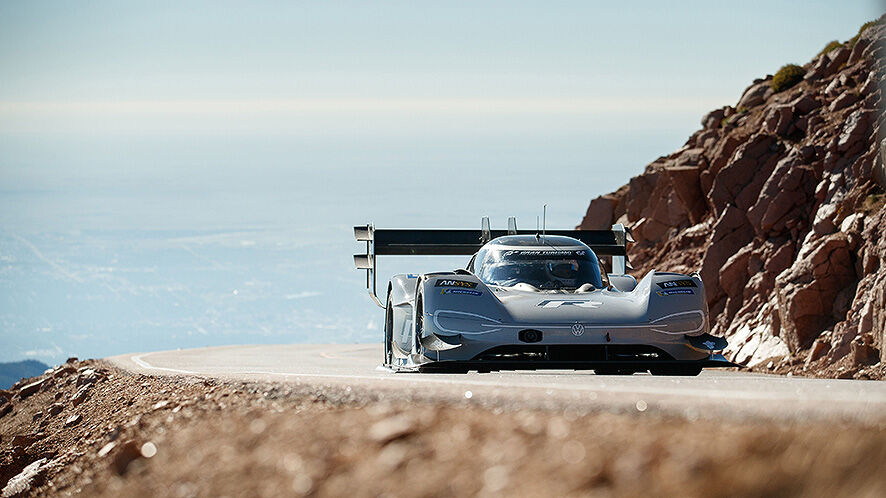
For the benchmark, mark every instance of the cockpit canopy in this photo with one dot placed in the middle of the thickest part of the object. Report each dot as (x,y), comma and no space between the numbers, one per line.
(552,263)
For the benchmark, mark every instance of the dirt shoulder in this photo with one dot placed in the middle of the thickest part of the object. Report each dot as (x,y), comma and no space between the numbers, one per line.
(94,430)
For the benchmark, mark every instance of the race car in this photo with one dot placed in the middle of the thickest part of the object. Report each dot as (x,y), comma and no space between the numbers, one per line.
(530,300)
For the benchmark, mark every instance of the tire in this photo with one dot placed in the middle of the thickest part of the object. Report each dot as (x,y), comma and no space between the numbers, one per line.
(389,332)
(673,370)
(417,320)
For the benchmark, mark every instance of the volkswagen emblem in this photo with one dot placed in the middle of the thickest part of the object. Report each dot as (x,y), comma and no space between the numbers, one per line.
(578,329)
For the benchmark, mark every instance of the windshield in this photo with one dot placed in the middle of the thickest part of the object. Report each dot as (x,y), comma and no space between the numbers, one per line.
(547,270)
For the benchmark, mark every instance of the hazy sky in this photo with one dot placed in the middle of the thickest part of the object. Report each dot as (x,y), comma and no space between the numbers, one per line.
(393,67)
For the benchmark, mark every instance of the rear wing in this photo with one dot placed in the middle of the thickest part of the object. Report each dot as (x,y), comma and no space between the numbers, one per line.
(444,242)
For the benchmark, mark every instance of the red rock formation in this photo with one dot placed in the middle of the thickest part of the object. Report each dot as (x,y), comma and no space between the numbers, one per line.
(778,202)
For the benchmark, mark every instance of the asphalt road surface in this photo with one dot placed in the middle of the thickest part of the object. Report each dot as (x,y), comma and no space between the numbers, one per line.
(356,370)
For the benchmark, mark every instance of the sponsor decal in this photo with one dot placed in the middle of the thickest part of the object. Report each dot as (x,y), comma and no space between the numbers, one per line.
(671,292)
(672,284)
(544,253)
(552,303)
(466,292)
(578,329)
(446,282)
(708,344)
(412,275)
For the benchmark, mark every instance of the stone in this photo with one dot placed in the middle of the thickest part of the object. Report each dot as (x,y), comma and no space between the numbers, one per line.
(29,389)
(734,274)
(87,376)
(819,348)
(22,483)
(55,409)
(712,119)
(754,95)
(81,395)
(860,45)
(838,57)
(804,104)
(857,127)
(806,291)
(599,214)
(73,420)
(845,100)
(779,119)
(863,352)
(730,233)
(686,184)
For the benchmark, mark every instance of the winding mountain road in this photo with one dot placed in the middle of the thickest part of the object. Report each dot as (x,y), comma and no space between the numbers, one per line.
(355,369)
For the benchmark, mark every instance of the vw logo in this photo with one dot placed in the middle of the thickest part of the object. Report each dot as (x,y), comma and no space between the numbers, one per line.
(578,329)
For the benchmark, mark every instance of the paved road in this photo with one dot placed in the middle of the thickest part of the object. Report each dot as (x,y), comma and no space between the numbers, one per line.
(355,369)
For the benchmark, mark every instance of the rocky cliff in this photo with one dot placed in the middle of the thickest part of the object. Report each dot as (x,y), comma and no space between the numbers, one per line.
(778,202)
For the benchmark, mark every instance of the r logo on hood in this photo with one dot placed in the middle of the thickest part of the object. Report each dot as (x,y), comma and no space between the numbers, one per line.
(556,303)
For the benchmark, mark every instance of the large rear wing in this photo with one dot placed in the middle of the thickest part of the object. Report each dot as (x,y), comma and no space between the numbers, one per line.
(444,242)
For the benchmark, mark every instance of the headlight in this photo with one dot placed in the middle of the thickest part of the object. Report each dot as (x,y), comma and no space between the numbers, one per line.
(687,322)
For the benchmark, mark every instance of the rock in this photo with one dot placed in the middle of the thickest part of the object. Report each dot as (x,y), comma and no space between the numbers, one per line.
(81,395)
(845,100)
(5,409)
(127,452)
(857,127)
(863,352)
(838,57)
(160,405)
(806,292)
(73,420)
(860,45)
(392,428)
(734,274)
(22,483)
(685,182)
(730,233)
(819,348)
(64,371)
(55,409)
(25,440)
(599,213)
(72,359)
(87,376)
(754,95)
(778,121)
(30,389)
(712,119)
(804,104)
(818,70)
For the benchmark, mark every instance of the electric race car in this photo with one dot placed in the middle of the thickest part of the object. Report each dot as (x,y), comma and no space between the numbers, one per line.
(537,300)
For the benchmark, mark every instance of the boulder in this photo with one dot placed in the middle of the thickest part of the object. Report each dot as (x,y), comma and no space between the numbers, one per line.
(29,389)
(838,57)
(734,274)
(845,100)
(779,119)
(755,95)
(806,291)
(599,213)
(730,233)
(712,119)
(686,185)
(857,127)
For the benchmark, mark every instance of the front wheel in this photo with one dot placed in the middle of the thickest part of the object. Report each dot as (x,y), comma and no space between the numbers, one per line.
(389,332)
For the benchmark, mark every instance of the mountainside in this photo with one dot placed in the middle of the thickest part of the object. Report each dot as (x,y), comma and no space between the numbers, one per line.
(10,373)
(778,202)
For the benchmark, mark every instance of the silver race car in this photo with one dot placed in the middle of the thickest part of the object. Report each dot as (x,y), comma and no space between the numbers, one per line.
(537,300)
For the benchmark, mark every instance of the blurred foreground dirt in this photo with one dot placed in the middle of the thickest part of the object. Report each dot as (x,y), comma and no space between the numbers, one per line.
(94,430)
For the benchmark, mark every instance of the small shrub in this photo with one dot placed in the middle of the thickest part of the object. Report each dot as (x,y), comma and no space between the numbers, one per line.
(786,77)
(830,46)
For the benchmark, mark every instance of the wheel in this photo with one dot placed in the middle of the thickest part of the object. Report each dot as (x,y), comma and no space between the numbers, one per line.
(614,371)
(418,322)
(389,332)
(687,370)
